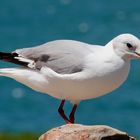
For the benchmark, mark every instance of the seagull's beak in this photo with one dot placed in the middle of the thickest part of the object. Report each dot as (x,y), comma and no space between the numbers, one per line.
(137,52)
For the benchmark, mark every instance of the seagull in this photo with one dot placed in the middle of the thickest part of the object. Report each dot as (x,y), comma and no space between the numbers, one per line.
(72,70)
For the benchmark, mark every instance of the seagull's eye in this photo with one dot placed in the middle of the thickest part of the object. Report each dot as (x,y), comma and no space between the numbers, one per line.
(129,46)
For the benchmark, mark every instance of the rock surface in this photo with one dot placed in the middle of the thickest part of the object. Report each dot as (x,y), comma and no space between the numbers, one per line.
(82,132)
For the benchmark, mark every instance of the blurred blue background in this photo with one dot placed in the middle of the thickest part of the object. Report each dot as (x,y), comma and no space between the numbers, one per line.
(33,22)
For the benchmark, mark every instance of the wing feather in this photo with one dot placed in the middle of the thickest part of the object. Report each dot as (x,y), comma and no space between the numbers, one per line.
(62,56)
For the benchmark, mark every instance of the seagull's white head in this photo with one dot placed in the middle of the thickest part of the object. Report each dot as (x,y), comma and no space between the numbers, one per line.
(127,46)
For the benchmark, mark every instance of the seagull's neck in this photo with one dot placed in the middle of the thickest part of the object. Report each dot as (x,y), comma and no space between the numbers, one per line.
(109,49)
(109,44)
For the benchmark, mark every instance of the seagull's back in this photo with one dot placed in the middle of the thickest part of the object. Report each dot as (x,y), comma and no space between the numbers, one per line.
(63,56)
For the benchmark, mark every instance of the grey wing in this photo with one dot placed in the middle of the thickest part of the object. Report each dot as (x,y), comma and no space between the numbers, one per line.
(62,56)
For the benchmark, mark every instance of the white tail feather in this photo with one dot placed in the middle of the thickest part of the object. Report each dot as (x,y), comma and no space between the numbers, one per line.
(7,71)
(28,77)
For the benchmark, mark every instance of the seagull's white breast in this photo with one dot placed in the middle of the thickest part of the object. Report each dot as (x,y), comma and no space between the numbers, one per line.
(98,79)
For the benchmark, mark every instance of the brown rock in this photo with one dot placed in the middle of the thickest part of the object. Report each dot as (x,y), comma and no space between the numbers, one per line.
(82,132)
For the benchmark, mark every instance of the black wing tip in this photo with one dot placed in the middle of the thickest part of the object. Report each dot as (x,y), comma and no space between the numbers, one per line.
(11,57)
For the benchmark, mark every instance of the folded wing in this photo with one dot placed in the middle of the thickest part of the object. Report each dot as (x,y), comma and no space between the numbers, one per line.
(62,56)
